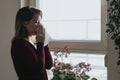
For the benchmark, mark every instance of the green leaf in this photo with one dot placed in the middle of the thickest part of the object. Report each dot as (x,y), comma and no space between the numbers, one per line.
(112,27)
(61,76)
(86,77)
(116,48)
(93,79)
(107,30)
(113,37)
(117,41)
(118,63)
(55,78)
(78,78)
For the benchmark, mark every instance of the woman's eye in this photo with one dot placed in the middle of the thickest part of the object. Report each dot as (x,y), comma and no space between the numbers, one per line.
(35,22)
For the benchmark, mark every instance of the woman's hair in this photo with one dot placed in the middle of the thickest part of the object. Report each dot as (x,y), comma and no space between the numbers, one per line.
(24,14)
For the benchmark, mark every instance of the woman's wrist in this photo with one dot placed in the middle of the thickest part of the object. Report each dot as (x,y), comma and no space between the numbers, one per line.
(40,43)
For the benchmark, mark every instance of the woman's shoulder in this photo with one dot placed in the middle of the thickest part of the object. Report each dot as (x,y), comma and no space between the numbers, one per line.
(18,41)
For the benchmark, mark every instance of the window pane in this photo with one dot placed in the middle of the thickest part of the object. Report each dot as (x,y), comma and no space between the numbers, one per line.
(72,19)
(65,30)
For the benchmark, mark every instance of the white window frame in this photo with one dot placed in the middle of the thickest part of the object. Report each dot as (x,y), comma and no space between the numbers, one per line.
(86,46)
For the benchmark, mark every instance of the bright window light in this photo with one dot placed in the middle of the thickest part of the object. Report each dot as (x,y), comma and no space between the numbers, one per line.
(72,19)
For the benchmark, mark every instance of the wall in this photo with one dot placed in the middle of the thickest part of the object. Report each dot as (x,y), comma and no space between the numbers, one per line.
(8,10)
(113,69)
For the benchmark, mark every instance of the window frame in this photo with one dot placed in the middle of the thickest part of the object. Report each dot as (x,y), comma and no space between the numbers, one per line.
(85,46)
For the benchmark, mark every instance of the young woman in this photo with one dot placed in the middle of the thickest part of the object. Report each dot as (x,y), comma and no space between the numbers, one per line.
(30,57)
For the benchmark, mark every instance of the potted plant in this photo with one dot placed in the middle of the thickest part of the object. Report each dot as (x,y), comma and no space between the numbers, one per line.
(113,25)
(65,71)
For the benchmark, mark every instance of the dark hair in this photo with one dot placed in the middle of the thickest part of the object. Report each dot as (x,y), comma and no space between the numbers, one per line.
(24,14)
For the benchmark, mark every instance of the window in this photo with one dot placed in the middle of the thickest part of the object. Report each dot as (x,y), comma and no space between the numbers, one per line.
(76,23)
(73,21)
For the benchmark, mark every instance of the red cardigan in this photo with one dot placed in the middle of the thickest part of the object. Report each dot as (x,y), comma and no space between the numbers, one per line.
(30,63)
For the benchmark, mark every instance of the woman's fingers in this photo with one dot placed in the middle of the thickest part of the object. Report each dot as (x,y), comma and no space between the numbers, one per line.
(40,36)
(43,31)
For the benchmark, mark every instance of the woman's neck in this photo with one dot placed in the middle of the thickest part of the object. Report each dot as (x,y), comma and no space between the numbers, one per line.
(32,39)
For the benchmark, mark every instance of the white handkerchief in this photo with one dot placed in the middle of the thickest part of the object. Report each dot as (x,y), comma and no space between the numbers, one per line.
(47,39)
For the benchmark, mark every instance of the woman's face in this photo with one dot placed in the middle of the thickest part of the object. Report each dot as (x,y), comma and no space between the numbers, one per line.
(33,24)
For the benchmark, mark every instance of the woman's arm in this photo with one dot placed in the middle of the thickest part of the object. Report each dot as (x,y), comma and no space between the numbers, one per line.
(41,55)
(48,58)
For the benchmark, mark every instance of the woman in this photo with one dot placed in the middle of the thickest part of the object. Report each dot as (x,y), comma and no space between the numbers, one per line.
(30,57)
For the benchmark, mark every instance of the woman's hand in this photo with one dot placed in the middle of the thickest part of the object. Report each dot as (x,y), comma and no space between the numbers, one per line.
(40,35)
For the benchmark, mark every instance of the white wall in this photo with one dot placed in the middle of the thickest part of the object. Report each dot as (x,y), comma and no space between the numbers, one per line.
(8,10)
